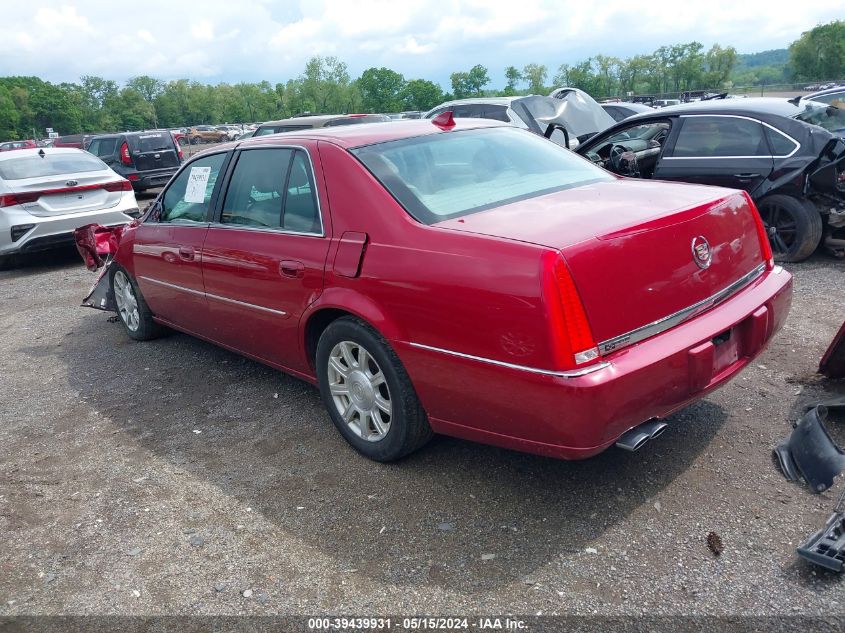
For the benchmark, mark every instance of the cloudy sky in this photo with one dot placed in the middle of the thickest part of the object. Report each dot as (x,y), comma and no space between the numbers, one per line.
(248,40)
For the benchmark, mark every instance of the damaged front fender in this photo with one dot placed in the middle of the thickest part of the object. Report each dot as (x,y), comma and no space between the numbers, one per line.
(97,245)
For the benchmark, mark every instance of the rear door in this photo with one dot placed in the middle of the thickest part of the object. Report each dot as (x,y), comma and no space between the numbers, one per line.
(265,254)
(168,247)
(153,150)
(723,150)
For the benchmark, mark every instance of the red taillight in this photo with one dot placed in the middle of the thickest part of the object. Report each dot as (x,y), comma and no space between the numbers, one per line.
(765,244)
(572,337)
(11,199)
(119,185)
(179,149)
(124,154)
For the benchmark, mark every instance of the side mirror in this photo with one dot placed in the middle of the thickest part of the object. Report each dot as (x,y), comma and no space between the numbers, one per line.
(557,134)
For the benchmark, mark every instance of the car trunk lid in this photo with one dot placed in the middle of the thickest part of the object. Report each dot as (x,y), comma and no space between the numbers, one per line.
(652,251)
(44,197)
(153,150)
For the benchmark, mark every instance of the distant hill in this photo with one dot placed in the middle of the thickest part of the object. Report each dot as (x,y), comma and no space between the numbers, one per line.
(774,57)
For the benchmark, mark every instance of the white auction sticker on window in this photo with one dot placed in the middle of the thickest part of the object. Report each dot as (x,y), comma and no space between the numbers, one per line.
(197,183)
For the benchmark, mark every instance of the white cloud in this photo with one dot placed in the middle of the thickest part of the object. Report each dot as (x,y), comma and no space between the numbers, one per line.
(248,40)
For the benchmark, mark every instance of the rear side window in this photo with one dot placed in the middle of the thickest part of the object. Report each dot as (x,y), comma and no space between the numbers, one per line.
(188,196)
(256,189)
(272,188)
(35,166)
(781,145)
(720,136)
(103,147)
(152,142)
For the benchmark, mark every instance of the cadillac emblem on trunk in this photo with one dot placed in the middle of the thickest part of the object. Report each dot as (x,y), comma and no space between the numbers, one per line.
(701,254)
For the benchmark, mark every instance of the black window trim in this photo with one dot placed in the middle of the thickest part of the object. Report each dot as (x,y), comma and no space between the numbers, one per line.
(736,116)
(214,219)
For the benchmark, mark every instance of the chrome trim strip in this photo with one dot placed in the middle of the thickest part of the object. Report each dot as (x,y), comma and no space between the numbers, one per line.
(661,325)
(246,305)
(261,229)
(545,372)
(211,296)
(174,286)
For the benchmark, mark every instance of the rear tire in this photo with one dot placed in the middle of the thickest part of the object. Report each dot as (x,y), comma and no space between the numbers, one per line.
(132,310)
(368,393)
(797,226)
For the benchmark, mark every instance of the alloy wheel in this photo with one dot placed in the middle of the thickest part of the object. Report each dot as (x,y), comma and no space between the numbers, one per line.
(780,226)
(127,303)
(359,390)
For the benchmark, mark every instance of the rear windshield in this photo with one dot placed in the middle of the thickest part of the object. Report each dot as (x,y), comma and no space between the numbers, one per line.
(278,129)
(829,117)
(454,174)
(151,142)
(34,166)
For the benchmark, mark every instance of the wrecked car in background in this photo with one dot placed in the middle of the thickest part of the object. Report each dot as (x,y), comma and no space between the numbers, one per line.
(606,303)
(567,118)
(783,153)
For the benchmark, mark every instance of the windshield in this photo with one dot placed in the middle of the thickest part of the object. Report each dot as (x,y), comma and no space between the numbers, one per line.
(829,117)
(454,174)
(34,166)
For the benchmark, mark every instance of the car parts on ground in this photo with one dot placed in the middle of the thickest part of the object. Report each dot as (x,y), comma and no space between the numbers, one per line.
(827,546)
(809,453)
(832,363)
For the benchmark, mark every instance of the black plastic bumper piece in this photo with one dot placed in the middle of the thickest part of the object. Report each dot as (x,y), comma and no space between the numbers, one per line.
(827,546)
(809,453)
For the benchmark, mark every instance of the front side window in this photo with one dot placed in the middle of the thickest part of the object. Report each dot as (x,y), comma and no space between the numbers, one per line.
(442,176)
(720,136)
(188,196)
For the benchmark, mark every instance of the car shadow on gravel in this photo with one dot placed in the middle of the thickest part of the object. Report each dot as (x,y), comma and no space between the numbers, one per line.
(30,264)
(457,515)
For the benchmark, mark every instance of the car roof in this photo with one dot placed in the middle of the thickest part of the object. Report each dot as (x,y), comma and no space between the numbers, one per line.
(33,151)
(639,107)
(758,105)
(318,120)
(350,136)
(826,91)
(506,101)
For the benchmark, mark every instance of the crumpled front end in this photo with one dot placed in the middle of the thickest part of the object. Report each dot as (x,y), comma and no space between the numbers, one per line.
(97,245)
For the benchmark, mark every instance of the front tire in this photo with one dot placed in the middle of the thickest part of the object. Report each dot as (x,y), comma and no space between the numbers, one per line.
(794,226)
(132,310)
(368,393)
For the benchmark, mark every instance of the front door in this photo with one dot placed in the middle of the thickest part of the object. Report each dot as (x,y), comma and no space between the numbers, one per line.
(168,247)
(263,258)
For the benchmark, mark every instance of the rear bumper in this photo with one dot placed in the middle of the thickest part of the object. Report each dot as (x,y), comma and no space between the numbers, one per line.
(50,232)
(150,179)
(577,417)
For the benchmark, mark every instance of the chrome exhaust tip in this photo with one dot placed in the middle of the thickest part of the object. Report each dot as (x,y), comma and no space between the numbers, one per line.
(635,438)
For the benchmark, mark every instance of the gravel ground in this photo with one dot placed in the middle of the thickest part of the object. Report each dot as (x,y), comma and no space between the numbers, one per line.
(172,477)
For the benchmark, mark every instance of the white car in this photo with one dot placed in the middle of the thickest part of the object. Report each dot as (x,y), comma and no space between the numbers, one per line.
(46,193)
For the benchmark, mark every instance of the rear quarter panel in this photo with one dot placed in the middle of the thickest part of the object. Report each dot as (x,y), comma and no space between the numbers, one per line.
(463,292)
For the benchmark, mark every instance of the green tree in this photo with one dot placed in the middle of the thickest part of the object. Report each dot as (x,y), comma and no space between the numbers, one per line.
(471,83)
(719,63)
(380,90)
(513,76)
(819,53)
(421,94)
(9,115)
(535,76)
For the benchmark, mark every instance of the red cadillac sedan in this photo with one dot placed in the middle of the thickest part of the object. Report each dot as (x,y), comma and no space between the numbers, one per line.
(459,277)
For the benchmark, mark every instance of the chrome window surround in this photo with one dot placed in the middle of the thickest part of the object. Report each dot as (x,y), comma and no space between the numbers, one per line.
(736,116)
(316,194)
(215,297)
(160,198)
(661,325)
(544,372)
